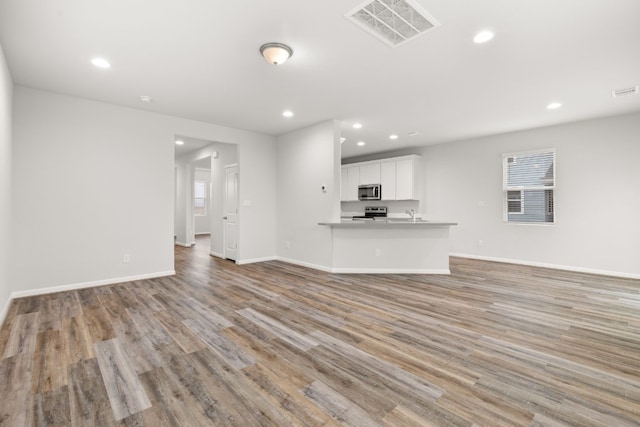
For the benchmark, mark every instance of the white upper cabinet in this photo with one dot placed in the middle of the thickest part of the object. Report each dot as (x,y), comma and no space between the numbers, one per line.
(350,179)
(406,179)
(398,177)
(388,180)
(370,173)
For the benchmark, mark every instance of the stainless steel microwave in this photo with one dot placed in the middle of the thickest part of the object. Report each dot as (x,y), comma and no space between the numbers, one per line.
(369,192)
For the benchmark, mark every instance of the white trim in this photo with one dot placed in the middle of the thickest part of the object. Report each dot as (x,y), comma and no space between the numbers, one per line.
(553,266)
(365,270)
(202,233)
(74,286)
(184,245)
(5,310)
(305,264)
(254,260)
(216,254)
(390,271)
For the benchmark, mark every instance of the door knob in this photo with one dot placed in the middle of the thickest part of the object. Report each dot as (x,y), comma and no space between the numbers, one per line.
(224,217)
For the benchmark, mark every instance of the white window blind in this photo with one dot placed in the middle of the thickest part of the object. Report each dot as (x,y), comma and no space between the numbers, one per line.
(528,184)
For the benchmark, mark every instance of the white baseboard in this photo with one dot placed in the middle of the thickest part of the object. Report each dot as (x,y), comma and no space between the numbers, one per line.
(5,310)
(75,286)
(254,260)
(305,264)
(185,245)
(216,254)
(553,266)
(204,233)
(390,271)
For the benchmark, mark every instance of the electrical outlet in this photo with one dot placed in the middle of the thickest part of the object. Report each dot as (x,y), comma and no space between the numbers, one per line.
(126,258)
(377,252)
(480,243)
(288,244)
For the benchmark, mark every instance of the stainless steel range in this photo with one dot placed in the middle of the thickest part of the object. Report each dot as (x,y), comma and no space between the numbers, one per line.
(373,212)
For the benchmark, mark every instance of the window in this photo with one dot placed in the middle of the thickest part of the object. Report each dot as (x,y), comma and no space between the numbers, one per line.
(529,186)
(515,204)
(200,198)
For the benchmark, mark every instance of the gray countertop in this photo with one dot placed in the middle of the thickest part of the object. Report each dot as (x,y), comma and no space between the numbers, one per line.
(386,223)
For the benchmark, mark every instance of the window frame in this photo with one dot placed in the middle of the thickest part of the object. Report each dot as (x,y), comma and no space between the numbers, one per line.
(522,189)
(204,199)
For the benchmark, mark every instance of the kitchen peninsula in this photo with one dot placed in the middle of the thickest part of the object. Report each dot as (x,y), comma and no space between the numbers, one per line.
(390,246)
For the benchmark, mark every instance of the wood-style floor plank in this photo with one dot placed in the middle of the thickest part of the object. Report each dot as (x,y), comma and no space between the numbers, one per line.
(275,344)
(126,393)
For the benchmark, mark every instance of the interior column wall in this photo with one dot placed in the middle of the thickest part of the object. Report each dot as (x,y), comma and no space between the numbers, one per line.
(6,95)
(307,162)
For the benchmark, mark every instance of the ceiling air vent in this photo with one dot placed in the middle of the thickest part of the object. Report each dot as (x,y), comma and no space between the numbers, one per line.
(392,21)
(624,92)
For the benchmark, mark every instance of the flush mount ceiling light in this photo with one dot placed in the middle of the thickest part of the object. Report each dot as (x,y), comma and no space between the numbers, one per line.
(357,126)
(276,53)
(361,143)
(287,113)
(554,106)
(178,142)
(483,37)
(145,98)
(101,63)
(393,136)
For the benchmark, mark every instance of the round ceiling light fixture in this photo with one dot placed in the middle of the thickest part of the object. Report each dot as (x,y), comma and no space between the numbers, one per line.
(394,136)
(361,143)
(276,53)
(179,142)
(554,106)
(287,113)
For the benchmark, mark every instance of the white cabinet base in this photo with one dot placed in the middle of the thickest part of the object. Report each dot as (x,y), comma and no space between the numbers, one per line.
(391,250)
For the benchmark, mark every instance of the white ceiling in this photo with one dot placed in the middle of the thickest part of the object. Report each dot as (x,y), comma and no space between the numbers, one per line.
(200,60)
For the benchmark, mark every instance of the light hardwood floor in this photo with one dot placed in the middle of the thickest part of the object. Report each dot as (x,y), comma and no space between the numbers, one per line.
(273,344)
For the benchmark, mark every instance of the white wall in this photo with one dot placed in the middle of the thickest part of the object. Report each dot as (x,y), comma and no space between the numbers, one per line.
(6,89)
(597,197)
(105,188)
(306,161)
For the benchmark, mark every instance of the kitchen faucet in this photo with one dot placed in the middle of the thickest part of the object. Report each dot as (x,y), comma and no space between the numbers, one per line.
(412,213)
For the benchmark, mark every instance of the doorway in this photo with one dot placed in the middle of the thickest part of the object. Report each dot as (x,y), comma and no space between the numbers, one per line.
(194,154)
(230,217)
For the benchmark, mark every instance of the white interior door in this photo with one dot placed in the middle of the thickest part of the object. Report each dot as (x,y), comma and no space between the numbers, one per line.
(230,218)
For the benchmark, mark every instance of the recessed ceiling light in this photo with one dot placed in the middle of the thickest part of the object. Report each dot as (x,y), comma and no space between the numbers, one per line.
(483,37)
(145,98)
(288,113)
(342,140)
(100,63)
(357,125)
(554,106)
(394,136)
(361,143)
(178,142)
